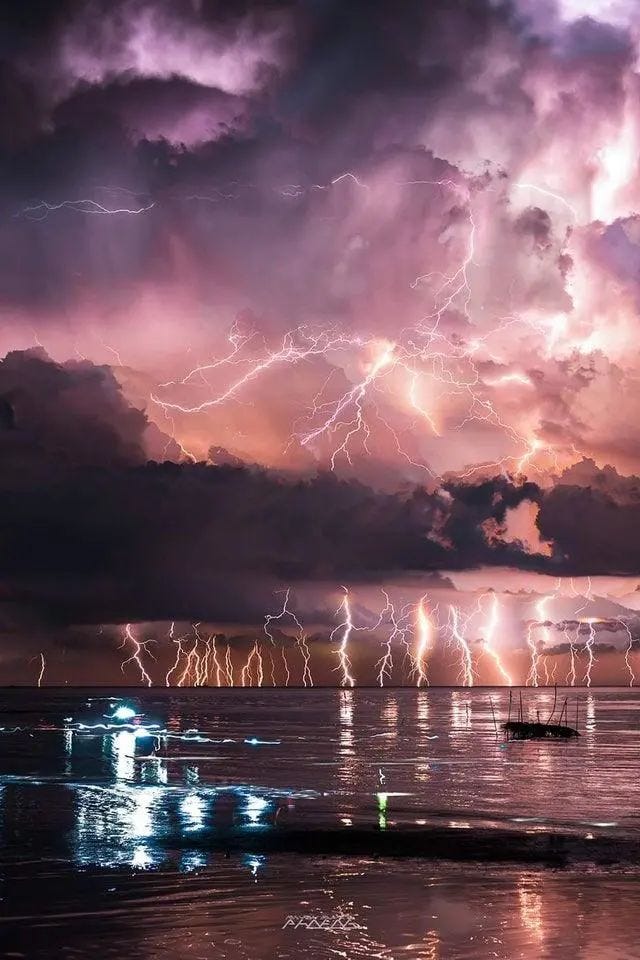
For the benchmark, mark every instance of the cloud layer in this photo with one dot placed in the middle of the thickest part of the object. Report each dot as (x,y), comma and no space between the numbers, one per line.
(313,292)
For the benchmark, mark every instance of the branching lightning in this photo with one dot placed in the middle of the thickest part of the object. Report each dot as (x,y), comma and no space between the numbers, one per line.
(421,354)
(489,630)
(344,628)
(139,647)
(591,637)
(301,640)
(457,627)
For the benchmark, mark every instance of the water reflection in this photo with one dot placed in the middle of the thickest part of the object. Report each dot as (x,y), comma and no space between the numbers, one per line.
(152,797)
(189,766)
(248,907)
(193,808)
(530,901)
(590,722)
(346,750)
(122,746)
(389,717)
(253,810)
(460,713)
(422,727)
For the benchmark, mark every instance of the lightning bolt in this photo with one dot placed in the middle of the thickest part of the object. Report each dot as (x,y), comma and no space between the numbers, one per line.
(246,675)
(457,626)
(179,654)
(534,645)
(136,657)
(352,400)
(628,651)
(533,675)
(399,625)
(489,632)
(216,662)
(424,631)
(548,193)
(385,663)
(42,208)
(301,640)
(571,676)
(42,669)
(421,352)
(346,626)
(590,621)
(228,666)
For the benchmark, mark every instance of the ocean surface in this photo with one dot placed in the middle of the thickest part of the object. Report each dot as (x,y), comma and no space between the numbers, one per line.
(316,824)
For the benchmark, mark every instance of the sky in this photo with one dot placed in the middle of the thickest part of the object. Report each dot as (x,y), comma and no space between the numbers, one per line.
(339,299)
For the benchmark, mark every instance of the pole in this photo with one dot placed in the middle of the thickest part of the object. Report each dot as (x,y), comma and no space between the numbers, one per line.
(493,714)
(563,712)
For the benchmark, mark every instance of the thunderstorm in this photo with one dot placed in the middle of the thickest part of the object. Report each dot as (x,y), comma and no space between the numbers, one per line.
(320,479)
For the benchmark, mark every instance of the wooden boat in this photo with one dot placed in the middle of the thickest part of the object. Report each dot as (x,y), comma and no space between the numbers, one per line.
(537,729)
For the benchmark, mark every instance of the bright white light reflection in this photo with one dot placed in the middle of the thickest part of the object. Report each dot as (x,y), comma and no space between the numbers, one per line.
(193,809)
(254,862)
(123,745)
(141,859)
(123,713)
(254,806)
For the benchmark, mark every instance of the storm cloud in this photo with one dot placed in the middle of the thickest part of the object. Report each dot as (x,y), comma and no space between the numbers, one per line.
(313,291)
(94,530)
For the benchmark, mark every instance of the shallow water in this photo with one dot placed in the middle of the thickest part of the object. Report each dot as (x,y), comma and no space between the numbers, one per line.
(115,842)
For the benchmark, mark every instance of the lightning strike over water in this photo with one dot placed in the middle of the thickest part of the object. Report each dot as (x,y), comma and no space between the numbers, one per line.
(344,628)
(571,636)
(385,663)
(253,670)
(533,675)
(488,635)
(228,666)
(139,647)
(319,369)
(457,626)
(180,652)
(219,669)
(199,659)
(590,621)
(537,645)
(628,652)
(301,640)
(424,630)
(42,669)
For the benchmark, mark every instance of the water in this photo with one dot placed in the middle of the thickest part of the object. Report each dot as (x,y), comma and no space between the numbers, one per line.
(259,823)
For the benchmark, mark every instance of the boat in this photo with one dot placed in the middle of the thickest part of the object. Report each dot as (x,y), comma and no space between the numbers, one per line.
(535,730)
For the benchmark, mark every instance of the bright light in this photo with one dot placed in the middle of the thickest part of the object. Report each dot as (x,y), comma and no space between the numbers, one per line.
(124,713)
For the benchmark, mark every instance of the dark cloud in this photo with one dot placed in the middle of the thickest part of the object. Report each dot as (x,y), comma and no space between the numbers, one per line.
(595,527)
(56,416)
(561,649)
(536,224)
(103,94)
(92,530)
